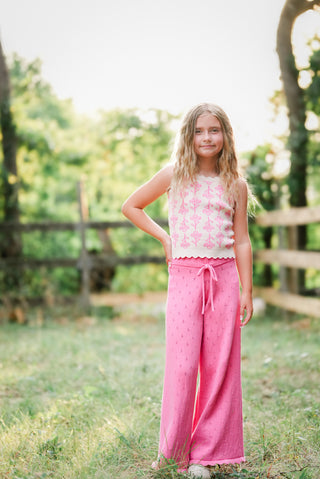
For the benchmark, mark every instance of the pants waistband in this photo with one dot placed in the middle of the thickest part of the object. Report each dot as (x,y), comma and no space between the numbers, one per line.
(203,265)
(199,262)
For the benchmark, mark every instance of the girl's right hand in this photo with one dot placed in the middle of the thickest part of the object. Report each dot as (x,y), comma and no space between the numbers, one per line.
(167,246)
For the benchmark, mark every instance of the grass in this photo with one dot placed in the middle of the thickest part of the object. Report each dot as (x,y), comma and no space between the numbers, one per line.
(80,397)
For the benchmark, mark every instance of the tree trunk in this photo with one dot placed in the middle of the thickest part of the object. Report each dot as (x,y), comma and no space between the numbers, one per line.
(298,138)
(10,245)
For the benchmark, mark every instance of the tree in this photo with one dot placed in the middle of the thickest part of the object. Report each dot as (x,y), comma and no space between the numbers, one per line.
(56,147)
(11,241)
(298,137)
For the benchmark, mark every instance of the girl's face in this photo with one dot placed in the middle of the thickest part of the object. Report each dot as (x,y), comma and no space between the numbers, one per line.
(208,137)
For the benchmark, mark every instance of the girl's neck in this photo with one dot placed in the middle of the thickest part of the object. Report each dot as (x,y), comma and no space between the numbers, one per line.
(207,169)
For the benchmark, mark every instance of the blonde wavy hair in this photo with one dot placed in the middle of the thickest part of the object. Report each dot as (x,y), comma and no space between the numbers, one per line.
(186,165)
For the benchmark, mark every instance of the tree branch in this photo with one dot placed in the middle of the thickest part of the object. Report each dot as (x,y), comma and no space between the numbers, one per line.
(302,6)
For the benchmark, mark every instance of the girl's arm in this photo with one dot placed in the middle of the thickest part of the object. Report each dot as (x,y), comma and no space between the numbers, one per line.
(243,252)
(133,207)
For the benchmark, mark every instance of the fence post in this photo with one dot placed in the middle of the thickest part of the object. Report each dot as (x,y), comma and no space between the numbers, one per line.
(85,265)
(283,272)
(293,282)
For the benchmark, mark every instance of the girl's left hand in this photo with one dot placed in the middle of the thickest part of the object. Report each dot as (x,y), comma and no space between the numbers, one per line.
(246,308)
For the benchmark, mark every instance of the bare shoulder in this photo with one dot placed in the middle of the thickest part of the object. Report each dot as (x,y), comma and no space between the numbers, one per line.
(151,190)
(166,174)
(241,196)
(162,179)
(242,185)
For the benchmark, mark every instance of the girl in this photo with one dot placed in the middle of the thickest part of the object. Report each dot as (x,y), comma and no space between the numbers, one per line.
(208,244)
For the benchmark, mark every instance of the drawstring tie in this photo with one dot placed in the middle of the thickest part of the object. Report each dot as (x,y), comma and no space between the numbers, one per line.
(213,277)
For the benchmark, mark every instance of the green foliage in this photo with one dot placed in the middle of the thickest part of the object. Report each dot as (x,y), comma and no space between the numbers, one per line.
(131,147)
(312,98)
(33,96)
(312,91)
(113,153)
(268,188)
(261,174)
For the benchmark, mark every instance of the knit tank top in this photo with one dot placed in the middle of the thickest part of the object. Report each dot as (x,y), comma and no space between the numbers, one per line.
(201,220)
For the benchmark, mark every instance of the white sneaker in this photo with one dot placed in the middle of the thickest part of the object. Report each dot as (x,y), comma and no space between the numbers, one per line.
(199,471)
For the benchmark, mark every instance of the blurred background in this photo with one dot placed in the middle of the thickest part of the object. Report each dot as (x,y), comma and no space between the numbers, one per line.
(91,98)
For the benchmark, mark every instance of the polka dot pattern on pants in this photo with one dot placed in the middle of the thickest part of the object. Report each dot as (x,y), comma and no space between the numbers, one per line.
(201,419)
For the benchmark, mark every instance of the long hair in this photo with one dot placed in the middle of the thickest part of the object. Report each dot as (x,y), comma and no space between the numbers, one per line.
(186,165)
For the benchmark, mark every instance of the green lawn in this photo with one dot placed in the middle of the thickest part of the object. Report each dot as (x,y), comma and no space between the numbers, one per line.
(80,397)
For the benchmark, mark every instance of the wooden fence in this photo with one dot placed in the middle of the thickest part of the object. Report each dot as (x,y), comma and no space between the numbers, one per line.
(285,257)
(291,258)
(86,261)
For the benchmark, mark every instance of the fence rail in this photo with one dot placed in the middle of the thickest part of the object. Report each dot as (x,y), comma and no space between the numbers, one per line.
(290,302)
(86,263)
(291,258)
(291,217)
(67,225)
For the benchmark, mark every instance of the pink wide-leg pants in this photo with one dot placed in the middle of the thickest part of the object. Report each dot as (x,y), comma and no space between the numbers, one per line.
(201,417)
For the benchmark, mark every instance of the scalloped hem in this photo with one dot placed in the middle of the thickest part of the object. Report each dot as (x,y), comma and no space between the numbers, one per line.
(238,460)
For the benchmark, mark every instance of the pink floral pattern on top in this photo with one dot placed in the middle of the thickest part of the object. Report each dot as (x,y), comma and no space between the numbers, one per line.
(201,220)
